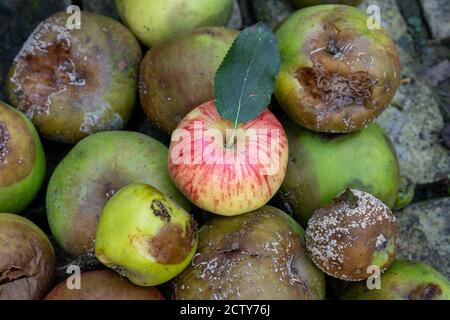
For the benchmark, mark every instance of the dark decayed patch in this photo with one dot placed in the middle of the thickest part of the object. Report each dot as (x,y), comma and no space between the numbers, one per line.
(425,292)
(38,76)
(333,89)
(173,244)
(160,210)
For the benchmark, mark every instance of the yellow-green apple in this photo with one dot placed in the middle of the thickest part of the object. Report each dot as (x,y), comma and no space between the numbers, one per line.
(338,72)
(223,178)
(145,236)
(156,21)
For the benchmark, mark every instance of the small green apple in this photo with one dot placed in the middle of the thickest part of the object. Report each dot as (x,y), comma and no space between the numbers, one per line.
(405,280)
(22,160)
(144,236)
(156,21)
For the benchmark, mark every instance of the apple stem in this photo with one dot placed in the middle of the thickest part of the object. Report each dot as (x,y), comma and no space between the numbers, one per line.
(230,141)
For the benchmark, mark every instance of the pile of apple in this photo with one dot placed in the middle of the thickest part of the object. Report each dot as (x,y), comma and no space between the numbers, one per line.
(130,201)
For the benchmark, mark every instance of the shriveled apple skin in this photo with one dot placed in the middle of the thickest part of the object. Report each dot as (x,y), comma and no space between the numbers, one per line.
(178,75)
(92,172)
(321,166)
(72,83)
(145,236)
(22,160)
(405,280)
(257,255)
(27,259)
(156,21)
(104,285)
(336,75)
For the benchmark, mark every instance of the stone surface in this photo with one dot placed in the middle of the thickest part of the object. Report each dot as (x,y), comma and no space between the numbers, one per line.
(236,17)
(18,19)
(414,120)
(104,7)
(424,233)
(437,13)
(272,12)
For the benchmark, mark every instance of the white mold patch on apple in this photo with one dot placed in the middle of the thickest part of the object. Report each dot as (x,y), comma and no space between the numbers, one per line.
(100,118)
(4,138)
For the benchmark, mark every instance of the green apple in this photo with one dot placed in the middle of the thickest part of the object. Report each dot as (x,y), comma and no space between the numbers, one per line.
(323,165)
(337,72)
(405,280)
(145,236)
(22,160)
(156,21)
(91,173)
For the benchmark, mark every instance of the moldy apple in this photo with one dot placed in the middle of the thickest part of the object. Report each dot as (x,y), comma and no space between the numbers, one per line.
(75,82)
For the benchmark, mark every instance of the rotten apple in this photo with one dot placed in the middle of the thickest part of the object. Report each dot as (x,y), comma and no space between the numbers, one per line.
(145,236)
(27,259)
(22,160)
(156,21)
(91,173)
(222,178)
(104,285)
(321,165)
(257,255)
(351,235)
(78,81)
(178,75)
(337,74)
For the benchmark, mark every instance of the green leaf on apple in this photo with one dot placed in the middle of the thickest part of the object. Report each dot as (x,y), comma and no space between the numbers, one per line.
(245,80)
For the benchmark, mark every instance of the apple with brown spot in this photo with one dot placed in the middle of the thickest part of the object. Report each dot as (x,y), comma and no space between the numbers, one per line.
(337,74)
(222,178)
(72,82)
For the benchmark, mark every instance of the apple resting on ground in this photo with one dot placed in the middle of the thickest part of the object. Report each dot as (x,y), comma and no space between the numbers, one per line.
(27,259)
(178,75)
(145,236)
(75,82)
(91,173)
(104,285)
(405,280)
(228,180)
(257,255)
(22,160)
(156,21)
(336,75)
(323,165)
(352,234)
